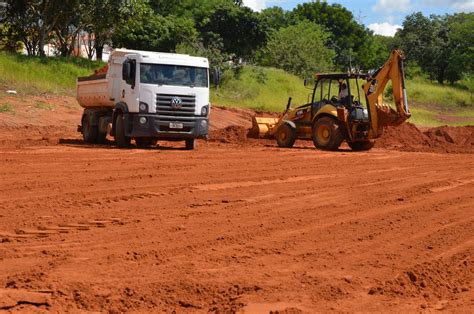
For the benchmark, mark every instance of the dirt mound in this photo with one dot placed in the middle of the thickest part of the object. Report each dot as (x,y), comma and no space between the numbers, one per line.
(463,136)
(433,280)
(32,135)
(222,117)
(231,134)
(445,139)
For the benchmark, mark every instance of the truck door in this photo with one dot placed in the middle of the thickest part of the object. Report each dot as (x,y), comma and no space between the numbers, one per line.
(130,85)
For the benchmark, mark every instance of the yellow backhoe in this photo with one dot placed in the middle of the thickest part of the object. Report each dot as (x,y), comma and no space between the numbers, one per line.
(341,109)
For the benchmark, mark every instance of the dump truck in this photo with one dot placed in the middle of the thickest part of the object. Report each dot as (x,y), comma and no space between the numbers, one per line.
(146,96)
(344,107)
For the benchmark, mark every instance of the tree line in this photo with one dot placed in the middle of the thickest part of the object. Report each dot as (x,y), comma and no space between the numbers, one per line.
(314,36)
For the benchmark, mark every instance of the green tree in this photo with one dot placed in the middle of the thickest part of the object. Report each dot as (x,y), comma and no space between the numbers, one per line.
(9,39)
(299,49)
(36,22)
(461,45)
(217,59)
(65,31)
(375,51)
(240,29)
(275,18)
(30,23)
(187,8)
(144,29)
(441,45)
(415,35)
(99,18)
(347,36)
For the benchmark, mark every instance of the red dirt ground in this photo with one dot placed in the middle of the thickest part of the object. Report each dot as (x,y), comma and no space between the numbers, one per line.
(237,225)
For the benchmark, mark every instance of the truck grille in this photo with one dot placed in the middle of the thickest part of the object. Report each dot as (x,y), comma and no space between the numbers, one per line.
(165,110)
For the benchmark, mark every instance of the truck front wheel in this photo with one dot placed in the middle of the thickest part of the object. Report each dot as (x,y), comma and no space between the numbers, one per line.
(120,138)
(191,144)
(327,134)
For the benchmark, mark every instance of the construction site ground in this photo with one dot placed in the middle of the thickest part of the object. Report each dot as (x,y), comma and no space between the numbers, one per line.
(238,225)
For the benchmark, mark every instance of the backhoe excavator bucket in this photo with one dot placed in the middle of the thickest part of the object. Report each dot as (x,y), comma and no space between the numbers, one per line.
(387,116)
(261,126)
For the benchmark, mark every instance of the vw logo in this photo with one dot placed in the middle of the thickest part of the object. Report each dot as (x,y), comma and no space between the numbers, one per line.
(176,102)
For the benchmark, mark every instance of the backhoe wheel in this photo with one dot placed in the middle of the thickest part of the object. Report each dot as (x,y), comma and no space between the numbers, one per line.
(358,146)
(120,138)
(90,133)
(285,136)
(144,142)
(190,144)
(327,134)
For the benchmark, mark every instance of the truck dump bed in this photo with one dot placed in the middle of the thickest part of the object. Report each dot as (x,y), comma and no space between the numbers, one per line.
(93,91)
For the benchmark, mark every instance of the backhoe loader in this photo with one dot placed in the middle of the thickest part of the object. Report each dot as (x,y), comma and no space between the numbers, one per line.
(341,109)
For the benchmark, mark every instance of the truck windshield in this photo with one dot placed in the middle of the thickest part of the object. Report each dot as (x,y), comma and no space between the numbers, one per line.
(177,75)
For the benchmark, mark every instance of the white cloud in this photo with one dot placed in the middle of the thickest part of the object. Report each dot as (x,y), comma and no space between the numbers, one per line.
(385,29)
(392,6)
(256,5)
(458,5)
(390,19)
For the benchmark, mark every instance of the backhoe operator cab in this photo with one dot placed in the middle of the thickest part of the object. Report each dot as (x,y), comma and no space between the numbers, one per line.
(329,90)
(333,115)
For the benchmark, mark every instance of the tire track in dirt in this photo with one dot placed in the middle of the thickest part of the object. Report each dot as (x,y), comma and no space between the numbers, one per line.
(242,225)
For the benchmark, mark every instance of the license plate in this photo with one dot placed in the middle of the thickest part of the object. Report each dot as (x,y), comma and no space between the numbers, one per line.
(176,125)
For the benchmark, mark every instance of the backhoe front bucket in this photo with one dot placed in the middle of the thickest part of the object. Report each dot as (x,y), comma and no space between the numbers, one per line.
(261,126)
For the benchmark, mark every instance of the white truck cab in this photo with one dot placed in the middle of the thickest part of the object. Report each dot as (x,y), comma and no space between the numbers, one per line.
(150,96)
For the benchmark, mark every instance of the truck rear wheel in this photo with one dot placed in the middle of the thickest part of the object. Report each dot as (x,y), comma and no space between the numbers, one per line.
(327,134)
(120,138)
(90,133)
(359,146)
(101,137)
(191,144)
(285,136)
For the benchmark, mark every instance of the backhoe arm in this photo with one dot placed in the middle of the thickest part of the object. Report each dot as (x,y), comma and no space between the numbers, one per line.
(382,115)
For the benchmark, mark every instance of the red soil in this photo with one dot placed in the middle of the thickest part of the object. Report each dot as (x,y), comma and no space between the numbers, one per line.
(407,137)
(236,225)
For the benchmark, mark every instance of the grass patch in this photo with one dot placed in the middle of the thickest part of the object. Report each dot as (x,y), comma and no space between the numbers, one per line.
(44,106)
(424,117)
(424,91)
(6,108)
(429,117)
(35,75)
(259,88)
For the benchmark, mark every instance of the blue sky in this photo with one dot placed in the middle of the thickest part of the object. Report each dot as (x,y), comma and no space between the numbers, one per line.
(382,16)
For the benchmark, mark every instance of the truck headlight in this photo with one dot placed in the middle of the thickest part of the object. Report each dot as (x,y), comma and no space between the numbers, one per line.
(143,107)
(204,110)
(143,120)
(204,123)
